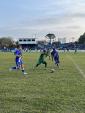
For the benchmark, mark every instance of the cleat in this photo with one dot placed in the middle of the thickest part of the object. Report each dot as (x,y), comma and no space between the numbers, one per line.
(10,69)
(25,73)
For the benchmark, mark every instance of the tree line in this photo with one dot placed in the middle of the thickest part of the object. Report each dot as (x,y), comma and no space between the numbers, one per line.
(81,40)
(8,42)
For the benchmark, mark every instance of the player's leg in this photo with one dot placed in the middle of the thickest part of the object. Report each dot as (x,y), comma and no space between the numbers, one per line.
(38,63)
(22,67)
(13,68)
(44,62)
(17,62)
(57,61)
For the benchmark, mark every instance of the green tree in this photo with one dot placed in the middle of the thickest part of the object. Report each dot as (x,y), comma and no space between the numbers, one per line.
(82,39)
(6,42)
(17,42)
(50,36)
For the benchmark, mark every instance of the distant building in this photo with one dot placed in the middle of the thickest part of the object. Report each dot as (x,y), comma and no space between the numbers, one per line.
(62,40)
(29,43)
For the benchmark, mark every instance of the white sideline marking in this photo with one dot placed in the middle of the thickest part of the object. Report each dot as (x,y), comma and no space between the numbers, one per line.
(77,67)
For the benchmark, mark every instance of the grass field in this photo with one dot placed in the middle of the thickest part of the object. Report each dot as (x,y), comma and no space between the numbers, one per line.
(41,91)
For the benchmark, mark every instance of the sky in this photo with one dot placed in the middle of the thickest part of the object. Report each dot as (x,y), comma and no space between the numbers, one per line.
(36,18)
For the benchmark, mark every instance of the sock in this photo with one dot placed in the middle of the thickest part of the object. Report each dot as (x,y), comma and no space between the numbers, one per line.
(23,70)
(14,68)
(45,65)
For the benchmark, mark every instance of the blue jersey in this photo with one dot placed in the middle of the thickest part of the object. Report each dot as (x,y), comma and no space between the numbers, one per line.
(54,53)
(55,56)
(17,53)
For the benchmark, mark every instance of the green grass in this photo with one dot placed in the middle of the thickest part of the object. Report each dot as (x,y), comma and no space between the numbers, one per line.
(41,91)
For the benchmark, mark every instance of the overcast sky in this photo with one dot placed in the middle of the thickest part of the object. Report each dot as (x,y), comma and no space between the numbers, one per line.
(25,18)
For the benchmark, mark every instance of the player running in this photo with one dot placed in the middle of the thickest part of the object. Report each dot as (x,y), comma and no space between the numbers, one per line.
(55,56)
(18,60)
(41,59)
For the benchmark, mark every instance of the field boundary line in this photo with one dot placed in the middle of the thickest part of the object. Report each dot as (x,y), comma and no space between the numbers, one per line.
(77,66)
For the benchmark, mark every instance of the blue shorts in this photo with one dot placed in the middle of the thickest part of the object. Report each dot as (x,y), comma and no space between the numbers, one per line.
(18,61)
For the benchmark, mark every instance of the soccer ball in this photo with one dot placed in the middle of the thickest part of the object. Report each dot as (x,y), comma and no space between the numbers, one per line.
(52,70)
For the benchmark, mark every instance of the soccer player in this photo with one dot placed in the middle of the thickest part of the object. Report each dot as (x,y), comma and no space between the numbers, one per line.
(55,56)
(18,60)
(41,59)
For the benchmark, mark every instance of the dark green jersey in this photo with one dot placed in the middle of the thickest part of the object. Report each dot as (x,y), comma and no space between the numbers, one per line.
(42,56)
